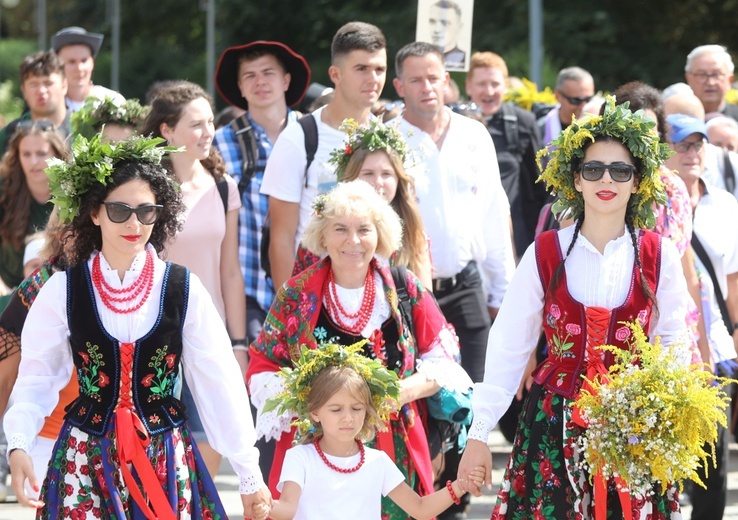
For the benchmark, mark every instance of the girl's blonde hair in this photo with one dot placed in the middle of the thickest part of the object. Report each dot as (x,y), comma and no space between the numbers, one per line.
(414,244)
(327,383)
(354,199)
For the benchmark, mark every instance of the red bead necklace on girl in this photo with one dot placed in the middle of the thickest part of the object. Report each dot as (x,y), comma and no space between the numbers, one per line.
(333,466)
(337,310)
(112,297)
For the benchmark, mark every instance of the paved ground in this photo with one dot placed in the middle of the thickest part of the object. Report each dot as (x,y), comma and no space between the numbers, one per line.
(481,507)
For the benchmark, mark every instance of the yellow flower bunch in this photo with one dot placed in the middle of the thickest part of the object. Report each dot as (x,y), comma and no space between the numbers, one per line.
(383,383)
(731,96)
(635,131)
(650,422)
(528,94)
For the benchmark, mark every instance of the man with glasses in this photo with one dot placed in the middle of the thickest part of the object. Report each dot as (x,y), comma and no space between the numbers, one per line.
(43,85)
(715,242)
(574,89)
(709,71)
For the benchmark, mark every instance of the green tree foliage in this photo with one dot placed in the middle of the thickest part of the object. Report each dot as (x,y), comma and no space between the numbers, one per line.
(617,40)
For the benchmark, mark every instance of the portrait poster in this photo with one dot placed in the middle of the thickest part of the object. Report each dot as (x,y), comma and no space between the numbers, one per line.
(448,24)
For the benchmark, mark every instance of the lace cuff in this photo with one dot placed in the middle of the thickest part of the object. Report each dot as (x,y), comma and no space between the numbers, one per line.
(270,426)
(448,374)
(479,431)
(18,441)
(250,485)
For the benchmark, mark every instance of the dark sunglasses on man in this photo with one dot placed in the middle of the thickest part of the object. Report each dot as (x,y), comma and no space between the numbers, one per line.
(120,212)
(576,100)
(619,172)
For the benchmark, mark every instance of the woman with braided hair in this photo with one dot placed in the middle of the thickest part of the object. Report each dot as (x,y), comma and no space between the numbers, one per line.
(579,284)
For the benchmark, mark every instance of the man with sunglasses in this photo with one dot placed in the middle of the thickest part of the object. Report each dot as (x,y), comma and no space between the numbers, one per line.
(43,85)
(715,242)
(574,89)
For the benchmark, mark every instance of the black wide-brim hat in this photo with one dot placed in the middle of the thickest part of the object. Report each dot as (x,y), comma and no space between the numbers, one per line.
(77,36)
(226,75)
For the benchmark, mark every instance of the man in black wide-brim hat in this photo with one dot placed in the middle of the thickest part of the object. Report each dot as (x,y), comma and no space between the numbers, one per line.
(264,78)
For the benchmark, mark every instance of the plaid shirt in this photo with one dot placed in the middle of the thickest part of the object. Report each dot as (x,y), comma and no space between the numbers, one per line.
(253,210)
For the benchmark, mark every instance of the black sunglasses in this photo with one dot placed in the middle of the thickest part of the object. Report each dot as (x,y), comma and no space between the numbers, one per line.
(619,172)
(119,212)
(42,125)
(576,100)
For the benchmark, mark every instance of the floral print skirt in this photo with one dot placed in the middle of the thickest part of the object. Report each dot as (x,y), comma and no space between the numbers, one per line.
(543,478)
(85,480)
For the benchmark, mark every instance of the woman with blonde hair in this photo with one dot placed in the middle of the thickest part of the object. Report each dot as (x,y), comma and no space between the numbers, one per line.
(350,296)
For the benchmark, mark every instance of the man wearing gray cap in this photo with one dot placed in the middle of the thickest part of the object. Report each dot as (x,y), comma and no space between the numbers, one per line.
(77,48)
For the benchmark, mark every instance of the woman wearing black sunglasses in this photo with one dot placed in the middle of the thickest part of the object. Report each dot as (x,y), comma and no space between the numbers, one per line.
(122,320)
(578,284)
(24,192)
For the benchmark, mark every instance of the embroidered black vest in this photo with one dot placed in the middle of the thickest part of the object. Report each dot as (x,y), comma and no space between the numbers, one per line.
(96,357)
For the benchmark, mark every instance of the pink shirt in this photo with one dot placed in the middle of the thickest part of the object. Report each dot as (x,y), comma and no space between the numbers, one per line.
(198,245)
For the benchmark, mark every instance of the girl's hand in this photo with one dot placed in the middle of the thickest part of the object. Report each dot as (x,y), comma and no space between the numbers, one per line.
(260,511)
(476,455)
(477,476)
(21,468)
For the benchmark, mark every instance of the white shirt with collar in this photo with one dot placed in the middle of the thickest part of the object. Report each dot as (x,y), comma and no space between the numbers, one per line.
(464,208)
(716,225)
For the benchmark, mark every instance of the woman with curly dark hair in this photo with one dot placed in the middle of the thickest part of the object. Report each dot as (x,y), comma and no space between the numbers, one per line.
(182,114)
(122,320)
(24,192)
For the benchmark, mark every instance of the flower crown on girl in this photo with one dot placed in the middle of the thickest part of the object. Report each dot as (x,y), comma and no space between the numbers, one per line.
(372,136)
(383,383)
(96,113)
(636,131)
(94,161)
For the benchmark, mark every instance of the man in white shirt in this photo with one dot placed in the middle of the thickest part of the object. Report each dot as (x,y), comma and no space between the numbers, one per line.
(358,69)
(78,48)
(716,230)
(462,203)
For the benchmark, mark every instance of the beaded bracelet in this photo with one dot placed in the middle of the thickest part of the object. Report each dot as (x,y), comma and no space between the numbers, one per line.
(450,488)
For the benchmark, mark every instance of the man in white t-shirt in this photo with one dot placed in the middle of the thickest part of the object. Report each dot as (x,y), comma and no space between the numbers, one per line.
(78,48)
(463,205)
(358,69)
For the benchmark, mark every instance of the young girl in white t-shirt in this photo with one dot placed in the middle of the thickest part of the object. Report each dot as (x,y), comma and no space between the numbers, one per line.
(331,474)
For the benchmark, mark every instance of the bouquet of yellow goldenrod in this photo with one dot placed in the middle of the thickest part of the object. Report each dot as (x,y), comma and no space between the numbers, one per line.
(650,422)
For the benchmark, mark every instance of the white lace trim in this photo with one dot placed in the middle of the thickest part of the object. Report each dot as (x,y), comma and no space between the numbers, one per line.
(351,301)
(447,373)
(250,485)
(18,441)
(479,431)
(269,425)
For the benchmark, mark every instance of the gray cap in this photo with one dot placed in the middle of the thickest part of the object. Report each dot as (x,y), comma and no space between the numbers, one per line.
(77,36)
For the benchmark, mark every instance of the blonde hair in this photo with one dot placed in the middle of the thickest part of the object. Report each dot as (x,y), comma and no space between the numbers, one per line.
(414,245)
(354,199)
(327,383)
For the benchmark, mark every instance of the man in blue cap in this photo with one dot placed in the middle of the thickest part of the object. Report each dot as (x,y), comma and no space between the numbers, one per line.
(715,243)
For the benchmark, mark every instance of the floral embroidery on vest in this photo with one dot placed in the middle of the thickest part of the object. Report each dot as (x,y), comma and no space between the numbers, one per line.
(161,382)
(560,347)
(91,378)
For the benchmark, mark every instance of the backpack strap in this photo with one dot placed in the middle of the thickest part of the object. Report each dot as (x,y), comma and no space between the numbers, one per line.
(249,150)
(699,250)
(310,129)
(728,174)
(510,125)
(222,186)
(399,275)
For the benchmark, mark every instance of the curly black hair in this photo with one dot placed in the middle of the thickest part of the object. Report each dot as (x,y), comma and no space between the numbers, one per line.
(88,237)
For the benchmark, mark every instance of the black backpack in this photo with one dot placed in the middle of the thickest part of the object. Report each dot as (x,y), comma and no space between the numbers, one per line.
(310,129)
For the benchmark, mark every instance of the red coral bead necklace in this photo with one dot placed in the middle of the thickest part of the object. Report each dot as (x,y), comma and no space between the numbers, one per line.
(338,311)
(112,297)
(333,466)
